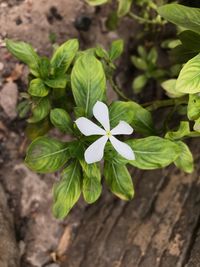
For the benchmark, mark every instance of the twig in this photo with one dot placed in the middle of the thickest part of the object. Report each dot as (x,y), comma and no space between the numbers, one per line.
(118,90)
(165,103)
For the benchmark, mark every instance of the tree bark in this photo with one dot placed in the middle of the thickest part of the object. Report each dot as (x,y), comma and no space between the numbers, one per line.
(9,254)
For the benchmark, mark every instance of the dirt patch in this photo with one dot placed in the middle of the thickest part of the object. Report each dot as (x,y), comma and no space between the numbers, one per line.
(34,21)
(10,3)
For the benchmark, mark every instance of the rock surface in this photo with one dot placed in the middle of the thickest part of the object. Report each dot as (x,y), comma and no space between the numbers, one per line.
(8,99)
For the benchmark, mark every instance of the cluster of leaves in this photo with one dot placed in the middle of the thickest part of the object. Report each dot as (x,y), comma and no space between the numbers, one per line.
(188,82)
(147,11)
(147,63)
(147,59)
(48,82)
(68,85)
(84,74)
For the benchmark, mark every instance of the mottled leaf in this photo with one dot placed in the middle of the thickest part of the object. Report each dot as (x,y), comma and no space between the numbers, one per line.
(46,155)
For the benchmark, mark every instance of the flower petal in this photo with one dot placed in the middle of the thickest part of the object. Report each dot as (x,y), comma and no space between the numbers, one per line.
(88,127)
(122,148)
(95,151)
(101,113)
(122,128)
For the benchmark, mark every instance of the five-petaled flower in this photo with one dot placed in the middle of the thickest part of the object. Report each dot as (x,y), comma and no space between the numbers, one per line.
(95,151)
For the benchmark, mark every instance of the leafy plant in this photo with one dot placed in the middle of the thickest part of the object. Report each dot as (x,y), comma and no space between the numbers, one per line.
(188,82)
(147,11)
(69,92)
(48,80)
(146,62)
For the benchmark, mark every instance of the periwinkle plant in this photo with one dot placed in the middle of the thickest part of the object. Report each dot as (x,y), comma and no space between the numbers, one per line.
(68,92)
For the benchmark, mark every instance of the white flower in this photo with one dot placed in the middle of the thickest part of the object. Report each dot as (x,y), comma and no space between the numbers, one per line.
(95,151)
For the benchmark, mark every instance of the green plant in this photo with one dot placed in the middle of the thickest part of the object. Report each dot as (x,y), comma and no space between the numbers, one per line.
(147,11)
(68,92)
(188,82)
(144,12)
(146,62)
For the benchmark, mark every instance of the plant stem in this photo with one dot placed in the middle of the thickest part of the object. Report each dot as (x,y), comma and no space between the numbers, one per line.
(192,134)
(118,90)
(153,105)
(140,19)
(155,21)
(165,103)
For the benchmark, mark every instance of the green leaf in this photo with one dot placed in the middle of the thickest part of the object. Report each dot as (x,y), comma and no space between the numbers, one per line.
(59,96)
(189,78)
(139,83)
(64,55)
(142,120)
(153,152)
(190,40)
(185,160)
(61,120)
(44,67)
(79,112)
(119,180)
(88,82)
(40,110)
(116,49)
(34,130)
(142,52)
(77,149)
(91,181)
(193,109)
(91,189)
(170,43)
(23,108)
(158,74)
(120,110)
(112,156)
(91,169)
(183,130)
(139,63)
(123,7)
(96,2)
(170,87)
(59,81)
(101,52)
(38,88)
(25,53)
(132,113)
(186,17)
(67,191)
(152,56)
(46,155)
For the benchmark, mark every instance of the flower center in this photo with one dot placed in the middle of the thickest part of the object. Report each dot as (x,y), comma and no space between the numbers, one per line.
(108,133)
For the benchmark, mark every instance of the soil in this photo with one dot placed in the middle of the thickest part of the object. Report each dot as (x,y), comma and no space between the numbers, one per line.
(159,228)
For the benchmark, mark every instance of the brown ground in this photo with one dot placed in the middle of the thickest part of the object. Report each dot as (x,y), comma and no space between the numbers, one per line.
(159,228)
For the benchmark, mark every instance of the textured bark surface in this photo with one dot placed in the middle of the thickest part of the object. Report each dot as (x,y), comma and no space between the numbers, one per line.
(159,228)
(9,254)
